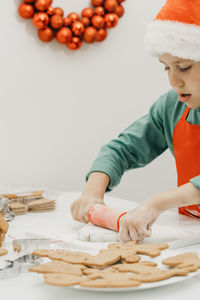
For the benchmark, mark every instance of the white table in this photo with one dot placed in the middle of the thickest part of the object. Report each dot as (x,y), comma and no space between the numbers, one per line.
(59,223)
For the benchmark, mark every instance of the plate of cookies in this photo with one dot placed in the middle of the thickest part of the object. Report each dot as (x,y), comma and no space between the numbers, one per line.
(120,267)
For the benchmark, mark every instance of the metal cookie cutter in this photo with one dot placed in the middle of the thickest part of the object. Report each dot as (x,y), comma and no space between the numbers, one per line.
(12,268)
(25,262)
(27,246)
(7,270)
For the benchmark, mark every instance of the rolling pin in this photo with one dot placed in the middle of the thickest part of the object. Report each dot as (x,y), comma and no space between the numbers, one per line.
(104,216)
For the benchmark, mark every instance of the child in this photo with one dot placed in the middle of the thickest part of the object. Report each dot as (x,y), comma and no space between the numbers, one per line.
(173,122)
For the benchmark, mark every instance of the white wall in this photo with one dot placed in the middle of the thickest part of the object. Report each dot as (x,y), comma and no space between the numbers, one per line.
(59,107)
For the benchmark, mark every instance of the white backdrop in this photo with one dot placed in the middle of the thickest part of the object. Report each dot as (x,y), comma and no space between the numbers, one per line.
(59,107)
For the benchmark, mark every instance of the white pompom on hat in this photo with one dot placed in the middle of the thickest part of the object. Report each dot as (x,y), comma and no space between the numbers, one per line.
(175,30)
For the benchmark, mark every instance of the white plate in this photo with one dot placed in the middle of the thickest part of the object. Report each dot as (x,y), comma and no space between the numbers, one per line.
(164,254)
(143,286)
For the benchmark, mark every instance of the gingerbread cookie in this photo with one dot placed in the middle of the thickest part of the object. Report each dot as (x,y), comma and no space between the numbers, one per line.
(103,259)
(24,195)
(71,268)
(72,257)
(146,273)
(112,255)
(33,201)
(46,252)
(115,252)
(42,204)
(145,249)
(109,279)
(89,271)
(58,267)
(185,260)
(3,229)
(3,225)
(59,279)
(106,258)
(3,251)
(126,255)
(1,238)
(18,208)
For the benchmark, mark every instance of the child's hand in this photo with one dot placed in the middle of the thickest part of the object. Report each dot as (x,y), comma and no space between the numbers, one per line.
(136,224)
(81,206)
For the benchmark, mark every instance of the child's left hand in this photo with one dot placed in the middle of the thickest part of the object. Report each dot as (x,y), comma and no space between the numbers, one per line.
(136,224)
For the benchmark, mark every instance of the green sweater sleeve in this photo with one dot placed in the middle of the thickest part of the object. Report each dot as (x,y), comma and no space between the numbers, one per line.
(135,147)
(196,181)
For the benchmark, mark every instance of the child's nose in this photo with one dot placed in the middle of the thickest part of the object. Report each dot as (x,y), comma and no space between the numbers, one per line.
(175,81)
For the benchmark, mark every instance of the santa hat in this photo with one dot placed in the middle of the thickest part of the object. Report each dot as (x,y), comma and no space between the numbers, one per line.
(176,30)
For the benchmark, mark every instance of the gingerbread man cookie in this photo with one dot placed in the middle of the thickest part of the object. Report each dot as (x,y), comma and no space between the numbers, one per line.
(58,267)
(109,279)
(146,273)
(62,279)
(72,257)
(135,248)
(49,252)
(182,261)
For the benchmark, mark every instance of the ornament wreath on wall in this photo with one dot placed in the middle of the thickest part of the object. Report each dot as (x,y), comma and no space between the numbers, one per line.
(73,29)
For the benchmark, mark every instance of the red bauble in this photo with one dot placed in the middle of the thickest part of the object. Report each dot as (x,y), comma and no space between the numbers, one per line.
(120,1)
(85,21)
(99,10)
(119,11)
(29,1)
(59,11)
(77,28)
(40,20)
(64,35)
(110,5)
(98,22)
(56,21)
(67,22)
(46,34)
(26,11)
(50,11)
(87,12)
(74,17)
(42,5)
(97,2)
(101,35)
(90,35)
(75,43)
(111,20)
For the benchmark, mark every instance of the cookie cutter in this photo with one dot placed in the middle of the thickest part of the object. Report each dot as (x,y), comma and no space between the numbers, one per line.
(27,246)
(25,262)
(12,268)
(7,270)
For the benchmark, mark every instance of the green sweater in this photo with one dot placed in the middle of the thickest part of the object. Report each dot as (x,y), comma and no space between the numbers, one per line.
(144,140)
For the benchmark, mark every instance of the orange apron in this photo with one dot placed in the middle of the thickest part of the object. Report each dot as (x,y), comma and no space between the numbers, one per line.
(186,145)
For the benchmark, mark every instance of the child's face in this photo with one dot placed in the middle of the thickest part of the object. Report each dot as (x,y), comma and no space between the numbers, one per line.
(184,77)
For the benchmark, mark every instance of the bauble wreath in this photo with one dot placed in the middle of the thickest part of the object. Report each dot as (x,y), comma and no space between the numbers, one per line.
(72,29)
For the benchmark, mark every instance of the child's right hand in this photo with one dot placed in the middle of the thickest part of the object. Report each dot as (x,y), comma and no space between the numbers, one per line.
(81,206)
(136,224)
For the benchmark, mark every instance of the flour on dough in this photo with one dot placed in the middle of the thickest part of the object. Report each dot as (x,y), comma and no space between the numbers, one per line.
(95,234)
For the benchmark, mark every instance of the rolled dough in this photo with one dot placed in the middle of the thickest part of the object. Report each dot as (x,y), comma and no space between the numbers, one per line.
(96,234)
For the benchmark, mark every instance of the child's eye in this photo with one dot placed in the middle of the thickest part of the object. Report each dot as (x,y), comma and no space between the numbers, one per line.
(185,69)
(180,69)
(166,68)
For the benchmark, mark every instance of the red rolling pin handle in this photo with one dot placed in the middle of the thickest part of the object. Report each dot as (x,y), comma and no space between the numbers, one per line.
(104,216)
